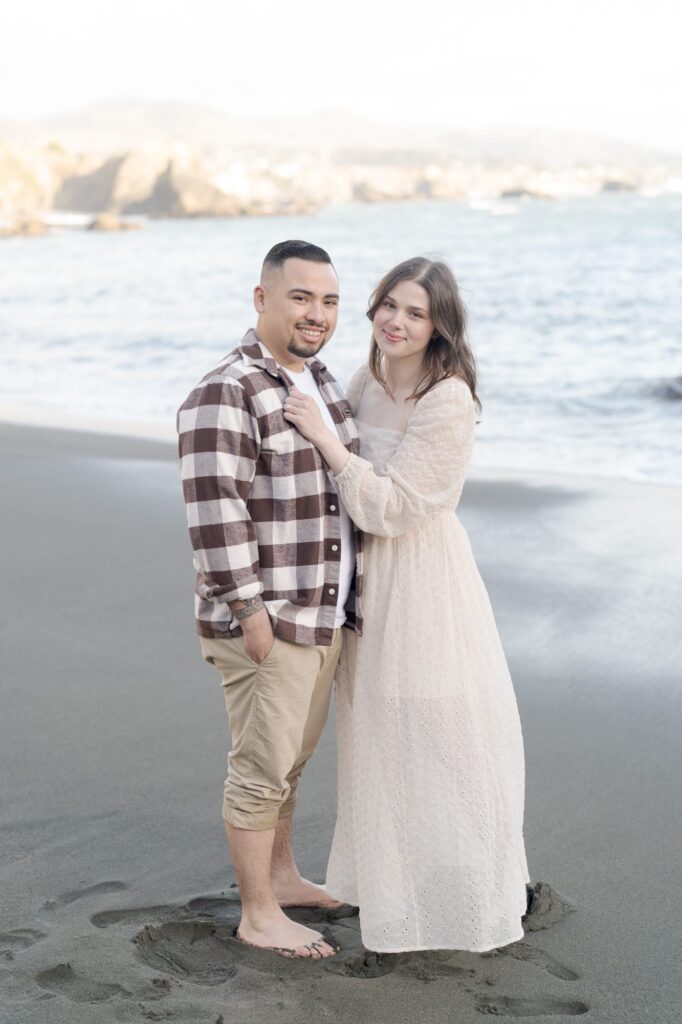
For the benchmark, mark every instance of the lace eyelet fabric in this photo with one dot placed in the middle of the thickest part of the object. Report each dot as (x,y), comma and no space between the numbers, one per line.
(429,836)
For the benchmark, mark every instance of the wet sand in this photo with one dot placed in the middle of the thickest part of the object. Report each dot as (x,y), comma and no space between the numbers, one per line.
(117,891)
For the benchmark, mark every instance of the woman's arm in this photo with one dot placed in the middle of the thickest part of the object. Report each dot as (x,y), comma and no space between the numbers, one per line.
(425,474)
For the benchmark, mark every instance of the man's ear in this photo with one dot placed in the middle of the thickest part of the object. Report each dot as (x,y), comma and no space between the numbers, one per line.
(259,298)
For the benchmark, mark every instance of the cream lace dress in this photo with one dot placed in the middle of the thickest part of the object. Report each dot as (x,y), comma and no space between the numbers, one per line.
(428,840)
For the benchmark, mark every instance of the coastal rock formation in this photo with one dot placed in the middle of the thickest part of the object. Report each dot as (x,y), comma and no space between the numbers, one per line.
(183,191)
(110,222)
(117,183)
(27,226)
(31,177)
(222,169)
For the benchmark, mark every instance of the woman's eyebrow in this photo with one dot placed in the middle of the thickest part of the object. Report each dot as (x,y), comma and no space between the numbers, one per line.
(420,308)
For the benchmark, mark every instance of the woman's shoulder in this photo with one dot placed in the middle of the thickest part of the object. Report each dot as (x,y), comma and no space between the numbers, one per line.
(450,393)
(356,385)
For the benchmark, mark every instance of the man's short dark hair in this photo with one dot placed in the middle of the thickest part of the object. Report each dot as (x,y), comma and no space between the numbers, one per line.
(294,248)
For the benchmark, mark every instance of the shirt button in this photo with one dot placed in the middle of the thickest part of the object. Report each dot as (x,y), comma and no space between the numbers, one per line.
(335,547)
(331,590)
(332,508)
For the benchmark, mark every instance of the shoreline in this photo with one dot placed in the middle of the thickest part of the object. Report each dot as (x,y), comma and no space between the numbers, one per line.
(153,439)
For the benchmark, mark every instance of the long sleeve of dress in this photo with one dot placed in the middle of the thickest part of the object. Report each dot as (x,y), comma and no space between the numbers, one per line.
(426,473)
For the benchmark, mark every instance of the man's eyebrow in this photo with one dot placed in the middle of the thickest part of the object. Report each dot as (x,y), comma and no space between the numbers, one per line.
(304,291)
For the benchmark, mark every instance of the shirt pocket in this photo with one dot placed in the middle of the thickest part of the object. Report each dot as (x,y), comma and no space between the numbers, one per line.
(281,443)
(277,453)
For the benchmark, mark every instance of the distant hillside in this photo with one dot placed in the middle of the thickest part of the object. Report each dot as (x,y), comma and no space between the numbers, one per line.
(165,159)
(119,125)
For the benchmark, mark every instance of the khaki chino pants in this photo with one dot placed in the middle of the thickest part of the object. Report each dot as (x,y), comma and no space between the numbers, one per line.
(276,711)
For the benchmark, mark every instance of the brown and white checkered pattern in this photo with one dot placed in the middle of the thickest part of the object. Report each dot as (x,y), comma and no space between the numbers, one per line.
(262,508)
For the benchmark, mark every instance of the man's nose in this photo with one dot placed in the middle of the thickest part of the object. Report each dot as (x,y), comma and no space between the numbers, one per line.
(316,311)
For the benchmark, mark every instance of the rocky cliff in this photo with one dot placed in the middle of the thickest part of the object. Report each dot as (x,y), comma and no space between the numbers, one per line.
(166,178)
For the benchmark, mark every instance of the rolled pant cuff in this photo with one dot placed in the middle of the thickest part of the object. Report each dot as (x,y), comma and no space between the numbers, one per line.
(252,821)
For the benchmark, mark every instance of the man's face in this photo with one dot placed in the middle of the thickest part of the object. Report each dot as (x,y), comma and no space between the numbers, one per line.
(298,305)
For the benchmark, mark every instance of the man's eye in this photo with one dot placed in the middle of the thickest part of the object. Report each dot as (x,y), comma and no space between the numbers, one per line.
(331,302)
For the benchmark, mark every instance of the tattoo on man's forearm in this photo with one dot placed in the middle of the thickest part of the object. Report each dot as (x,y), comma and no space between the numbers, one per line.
(251,606)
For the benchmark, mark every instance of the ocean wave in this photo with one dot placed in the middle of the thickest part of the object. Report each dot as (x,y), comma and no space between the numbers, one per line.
(669,390)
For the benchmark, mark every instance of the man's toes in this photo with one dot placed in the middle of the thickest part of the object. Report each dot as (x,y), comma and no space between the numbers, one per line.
(323,950)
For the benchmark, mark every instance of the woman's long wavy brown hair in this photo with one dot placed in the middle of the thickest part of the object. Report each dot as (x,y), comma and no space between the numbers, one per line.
(448,354)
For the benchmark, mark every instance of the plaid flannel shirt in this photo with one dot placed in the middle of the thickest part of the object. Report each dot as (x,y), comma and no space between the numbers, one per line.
(262,507)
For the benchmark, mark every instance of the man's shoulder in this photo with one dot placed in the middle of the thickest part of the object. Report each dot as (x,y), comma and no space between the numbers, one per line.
(238,369)
(231,369)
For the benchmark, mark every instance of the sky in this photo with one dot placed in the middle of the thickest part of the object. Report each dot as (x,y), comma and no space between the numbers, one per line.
(604,67)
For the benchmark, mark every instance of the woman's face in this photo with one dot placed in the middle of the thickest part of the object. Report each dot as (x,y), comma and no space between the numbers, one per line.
(402,324)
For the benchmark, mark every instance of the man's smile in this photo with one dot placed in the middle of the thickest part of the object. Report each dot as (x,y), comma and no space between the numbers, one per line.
(310,333)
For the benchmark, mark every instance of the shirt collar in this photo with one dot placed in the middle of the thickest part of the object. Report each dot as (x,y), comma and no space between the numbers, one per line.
(255,353)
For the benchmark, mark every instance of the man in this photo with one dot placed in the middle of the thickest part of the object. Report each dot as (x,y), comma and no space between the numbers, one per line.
(279,572)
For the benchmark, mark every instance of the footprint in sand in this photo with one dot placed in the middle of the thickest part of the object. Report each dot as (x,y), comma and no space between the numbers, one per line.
(218,908)
(63,980)
(14,941)
(99,889)
(196,950)
(207,952)
(533,1006)
(131,915)
(529,954)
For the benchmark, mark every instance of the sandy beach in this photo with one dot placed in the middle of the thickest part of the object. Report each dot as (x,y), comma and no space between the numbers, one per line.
(118,896)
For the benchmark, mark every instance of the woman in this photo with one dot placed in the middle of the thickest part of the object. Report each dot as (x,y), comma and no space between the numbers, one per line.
(428,840)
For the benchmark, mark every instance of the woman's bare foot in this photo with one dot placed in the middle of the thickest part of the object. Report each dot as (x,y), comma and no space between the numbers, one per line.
(280,934)
(299,892)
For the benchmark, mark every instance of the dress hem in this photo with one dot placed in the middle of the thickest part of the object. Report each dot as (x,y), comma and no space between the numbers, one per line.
(455,949)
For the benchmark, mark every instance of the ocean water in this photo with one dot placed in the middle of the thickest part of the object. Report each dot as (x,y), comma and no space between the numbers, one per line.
(575,318)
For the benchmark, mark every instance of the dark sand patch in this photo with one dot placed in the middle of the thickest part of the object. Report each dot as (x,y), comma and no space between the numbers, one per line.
(547,908)
(23,440)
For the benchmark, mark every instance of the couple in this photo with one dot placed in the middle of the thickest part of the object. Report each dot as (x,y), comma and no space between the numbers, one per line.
(309,512)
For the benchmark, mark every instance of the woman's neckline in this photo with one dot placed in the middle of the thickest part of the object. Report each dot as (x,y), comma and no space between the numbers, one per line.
(373,426)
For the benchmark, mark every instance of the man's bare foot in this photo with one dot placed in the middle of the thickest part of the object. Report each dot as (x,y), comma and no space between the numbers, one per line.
(284,936)
(299,892)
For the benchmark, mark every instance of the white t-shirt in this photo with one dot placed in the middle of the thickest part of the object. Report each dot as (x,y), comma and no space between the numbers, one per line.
(306,382)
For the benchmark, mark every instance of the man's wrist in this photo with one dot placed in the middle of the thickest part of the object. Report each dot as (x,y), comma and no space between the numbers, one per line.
(245,609)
